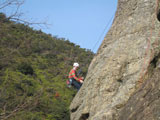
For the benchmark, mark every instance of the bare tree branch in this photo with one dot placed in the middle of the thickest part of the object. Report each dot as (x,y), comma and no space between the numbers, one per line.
(40,24)
(16,15)
(8,3)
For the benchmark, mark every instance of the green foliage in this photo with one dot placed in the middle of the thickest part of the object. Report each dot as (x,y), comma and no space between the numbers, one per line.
(33,71)
(3,18)
(25,68)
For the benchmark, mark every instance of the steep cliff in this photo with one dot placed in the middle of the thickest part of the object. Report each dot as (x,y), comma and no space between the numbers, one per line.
(123,78)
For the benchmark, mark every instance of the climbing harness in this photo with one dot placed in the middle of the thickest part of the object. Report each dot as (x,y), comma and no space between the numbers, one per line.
(69,83)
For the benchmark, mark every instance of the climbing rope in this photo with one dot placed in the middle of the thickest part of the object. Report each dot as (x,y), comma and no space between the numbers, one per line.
(108,23)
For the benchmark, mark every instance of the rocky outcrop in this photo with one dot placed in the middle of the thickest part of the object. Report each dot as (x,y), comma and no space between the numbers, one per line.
(145,103)
(123,78)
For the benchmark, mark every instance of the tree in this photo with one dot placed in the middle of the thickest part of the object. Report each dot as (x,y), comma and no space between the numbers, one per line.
(16,15)
(5,4)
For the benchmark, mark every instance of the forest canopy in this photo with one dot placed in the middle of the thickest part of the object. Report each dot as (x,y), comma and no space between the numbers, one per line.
(34,68)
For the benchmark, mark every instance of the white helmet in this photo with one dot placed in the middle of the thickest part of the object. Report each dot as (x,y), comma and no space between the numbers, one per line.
(75,65)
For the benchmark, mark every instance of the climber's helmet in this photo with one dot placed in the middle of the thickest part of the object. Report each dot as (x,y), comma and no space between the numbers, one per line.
(75,65)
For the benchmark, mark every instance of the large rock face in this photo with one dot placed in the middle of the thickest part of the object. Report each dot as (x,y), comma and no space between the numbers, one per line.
(123,81)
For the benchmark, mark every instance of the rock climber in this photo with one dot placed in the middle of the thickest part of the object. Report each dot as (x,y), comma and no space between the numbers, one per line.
(74,79)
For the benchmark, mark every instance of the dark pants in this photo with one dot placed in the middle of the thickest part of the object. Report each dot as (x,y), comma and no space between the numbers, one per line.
(76,84)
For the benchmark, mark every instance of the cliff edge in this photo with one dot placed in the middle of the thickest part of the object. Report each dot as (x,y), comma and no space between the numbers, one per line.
(123,80)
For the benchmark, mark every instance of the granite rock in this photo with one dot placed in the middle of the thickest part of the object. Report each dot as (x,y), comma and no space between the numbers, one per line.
(123,75)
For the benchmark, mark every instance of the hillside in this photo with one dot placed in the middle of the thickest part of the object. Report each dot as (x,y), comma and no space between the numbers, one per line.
(33,71)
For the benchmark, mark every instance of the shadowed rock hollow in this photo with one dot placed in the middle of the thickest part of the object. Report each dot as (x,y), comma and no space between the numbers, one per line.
(123,81)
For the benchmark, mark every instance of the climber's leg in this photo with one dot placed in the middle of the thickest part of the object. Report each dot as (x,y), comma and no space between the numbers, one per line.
(76,84)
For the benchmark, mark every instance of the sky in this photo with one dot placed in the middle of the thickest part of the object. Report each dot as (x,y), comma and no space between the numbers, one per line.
(83,22)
